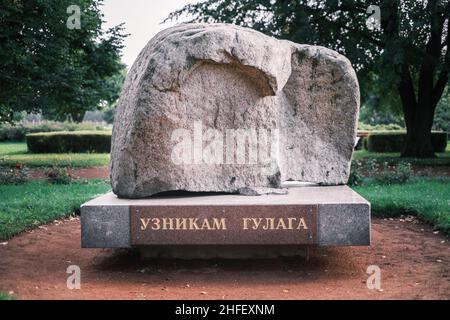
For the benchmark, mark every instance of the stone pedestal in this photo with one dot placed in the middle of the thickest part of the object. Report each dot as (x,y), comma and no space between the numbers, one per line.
(307,215)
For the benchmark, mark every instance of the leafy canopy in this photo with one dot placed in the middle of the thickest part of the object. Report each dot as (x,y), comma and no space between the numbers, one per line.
(377,54)
(47,67)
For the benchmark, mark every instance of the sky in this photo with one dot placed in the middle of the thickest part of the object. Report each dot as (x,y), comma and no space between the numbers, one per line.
(142,20)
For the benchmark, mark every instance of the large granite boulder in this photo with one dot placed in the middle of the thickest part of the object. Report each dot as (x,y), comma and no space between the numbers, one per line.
(217,107)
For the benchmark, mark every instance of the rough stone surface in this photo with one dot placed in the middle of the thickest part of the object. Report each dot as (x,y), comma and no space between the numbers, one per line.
(297,105)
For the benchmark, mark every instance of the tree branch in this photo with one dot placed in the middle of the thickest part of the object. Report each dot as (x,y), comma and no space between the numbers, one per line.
(407,96)
(442,81)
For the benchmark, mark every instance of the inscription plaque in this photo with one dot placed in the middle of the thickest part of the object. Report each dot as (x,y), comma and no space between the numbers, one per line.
(251,224)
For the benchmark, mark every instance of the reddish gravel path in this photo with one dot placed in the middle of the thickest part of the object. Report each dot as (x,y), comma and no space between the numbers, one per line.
(84,173)
(415,264)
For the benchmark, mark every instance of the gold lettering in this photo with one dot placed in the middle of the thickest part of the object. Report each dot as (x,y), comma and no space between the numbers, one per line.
(281,224)
(302,224)
(269,224)
(144,222)
(205,225)
(245,223)
(156,224)
(193,224)
(290,223)
(219,224)
(181,224)
(167,223)
(256,223)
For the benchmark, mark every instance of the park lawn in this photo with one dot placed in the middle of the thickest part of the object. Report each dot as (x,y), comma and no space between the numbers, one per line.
(442,159)
(426,198)
(5,296)
(28,205)
(12,153)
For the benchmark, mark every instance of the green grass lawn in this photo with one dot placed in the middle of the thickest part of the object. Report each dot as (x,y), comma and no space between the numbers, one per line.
(16,152)
(5,296)
(443,158)
(427,198)
(27,205)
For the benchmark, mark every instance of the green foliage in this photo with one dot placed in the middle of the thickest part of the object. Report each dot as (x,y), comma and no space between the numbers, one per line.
(12,153)
(392,158)
(25,206)
(58,175)
(379,127)
(442,115)
(17,132)
(5,296)
(15,175)
(66,141)
(108,115)
(394,141)
(360,144)
(377,55)
(365,143)
(427,198)
(380,172)
(355,178)
(12,148)
(371,114)
(405,62)
(398,174)
(46,67)
(359,171)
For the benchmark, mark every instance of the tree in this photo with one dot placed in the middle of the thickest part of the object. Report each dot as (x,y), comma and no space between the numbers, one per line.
(409,52)
(442,116)
(50,68)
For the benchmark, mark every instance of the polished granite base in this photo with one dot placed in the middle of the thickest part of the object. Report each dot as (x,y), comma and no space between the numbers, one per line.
(306,215)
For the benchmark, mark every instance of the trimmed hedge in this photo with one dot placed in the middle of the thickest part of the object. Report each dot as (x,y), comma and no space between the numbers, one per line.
(19,131)
(69,141)
(362,143)
(379,127)
(395,141)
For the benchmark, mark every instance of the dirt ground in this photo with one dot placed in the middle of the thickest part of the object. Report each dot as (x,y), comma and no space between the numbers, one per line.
(78,173)
(442,171)
(103,172)
(414,262)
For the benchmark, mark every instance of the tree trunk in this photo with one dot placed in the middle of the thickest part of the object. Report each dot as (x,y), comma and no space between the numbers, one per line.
(418,117)
(77,116)
(419,111)
(418,135)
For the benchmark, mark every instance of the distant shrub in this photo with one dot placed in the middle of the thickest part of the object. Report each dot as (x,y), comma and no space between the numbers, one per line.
(362,143)
(15,175)
(58,175)
(398,174)
(63,142)
(355,178)
(441,119)
(19,131)
(360,170)
(379,127)
(395,141)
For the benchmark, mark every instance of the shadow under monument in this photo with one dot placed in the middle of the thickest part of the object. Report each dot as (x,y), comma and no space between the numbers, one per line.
(128,262)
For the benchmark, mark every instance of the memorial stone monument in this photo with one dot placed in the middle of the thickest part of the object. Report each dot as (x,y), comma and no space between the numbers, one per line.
(224,136)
